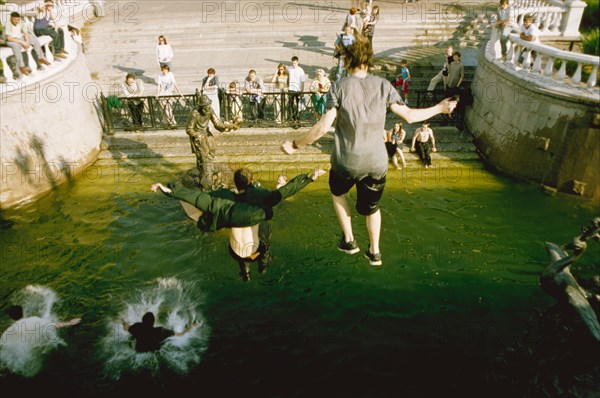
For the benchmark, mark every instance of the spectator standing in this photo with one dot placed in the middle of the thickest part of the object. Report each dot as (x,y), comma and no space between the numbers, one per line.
(45,25)
(504,26)
(280,80)
(531,33)
(421,138)
(166,83)
(319,89)
(254,86)
(443,74)
(235,103)
(164,53)
(345,40)
(296,81)
(18,39)
(456,74)
(133,89)
(402,82)
(370,22)
(210,87)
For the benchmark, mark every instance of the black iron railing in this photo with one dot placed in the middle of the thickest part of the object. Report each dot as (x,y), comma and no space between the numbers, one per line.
(172,112)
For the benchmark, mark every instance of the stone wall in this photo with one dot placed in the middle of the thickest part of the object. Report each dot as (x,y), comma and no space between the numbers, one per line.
(535,133)
(49,130)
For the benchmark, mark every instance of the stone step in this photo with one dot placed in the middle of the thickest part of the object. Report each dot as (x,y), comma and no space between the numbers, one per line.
(265,150)
(309,159)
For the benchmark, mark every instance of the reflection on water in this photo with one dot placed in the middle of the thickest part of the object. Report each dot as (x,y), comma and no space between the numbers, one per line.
(169,300)
(462,252)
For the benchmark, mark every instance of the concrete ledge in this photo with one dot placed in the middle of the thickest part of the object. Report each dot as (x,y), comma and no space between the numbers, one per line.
(50,131)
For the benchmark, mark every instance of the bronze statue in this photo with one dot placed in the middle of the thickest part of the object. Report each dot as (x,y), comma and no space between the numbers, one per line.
(557,280)
(203,142)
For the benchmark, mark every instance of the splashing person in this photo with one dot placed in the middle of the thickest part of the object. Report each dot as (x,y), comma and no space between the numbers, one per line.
(202,139)
(25,344)
(149,337)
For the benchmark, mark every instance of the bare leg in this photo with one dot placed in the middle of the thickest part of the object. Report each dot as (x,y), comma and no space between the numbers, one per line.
(374,228)
(401,155)
(342,210)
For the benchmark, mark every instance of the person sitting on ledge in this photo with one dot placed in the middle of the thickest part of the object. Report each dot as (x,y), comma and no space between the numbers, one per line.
(18,39)
(45,25)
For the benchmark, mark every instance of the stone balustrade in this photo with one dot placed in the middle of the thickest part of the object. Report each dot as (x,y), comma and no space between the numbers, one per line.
(554,18)
(536,62)
(69,13)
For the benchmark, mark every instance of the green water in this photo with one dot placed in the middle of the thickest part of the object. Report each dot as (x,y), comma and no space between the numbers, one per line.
(462,252)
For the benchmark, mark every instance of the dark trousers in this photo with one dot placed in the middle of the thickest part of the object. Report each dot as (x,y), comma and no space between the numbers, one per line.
(294,99)
(257,109)
(263,251)
(58,37)
(136,108)
(424,151)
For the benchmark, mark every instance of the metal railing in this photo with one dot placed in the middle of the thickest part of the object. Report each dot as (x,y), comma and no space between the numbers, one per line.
(293,109)
(426,99)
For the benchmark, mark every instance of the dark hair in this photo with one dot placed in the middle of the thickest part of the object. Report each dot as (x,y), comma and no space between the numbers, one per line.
(130,76)
(502,2)
(15,14)
(456,53)
(165,66)
(252,71)
(232,85)
(359,53)
(15,312)
(148,319)
(242,178)
(528,17)
(211,71)
(295,58)
(404,62)
(377,8)
(162,37)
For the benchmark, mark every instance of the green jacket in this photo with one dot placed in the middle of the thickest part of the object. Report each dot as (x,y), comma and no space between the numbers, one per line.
(225,209)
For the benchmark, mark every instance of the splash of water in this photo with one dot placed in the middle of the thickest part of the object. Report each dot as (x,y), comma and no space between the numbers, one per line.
(26,344)
(174,309)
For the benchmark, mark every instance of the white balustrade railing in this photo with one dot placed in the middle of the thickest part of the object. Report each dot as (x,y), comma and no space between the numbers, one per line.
(538,61)
(552,17)
(67,11)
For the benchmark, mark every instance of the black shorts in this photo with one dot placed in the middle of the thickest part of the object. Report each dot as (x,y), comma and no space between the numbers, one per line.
(368,191)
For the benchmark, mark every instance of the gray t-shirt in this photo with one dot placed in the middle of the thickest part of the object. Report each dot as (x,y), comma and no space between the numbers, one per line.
(361,105)
(455,73)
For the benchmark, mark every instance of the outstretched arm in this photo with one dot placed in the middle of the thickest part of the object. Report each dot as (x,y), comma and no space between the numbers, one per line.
(418,115)
(72,322)
(317,131)
(193,326)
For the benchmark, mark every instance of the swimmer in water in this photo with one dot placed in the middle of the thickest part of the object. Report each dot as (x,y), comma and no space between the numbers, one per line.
(149,338)
(24,336)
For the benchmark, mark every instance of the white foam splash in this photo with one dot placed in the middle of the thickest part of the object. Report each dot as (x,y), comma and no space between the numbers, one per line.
(174,309)
(26,344)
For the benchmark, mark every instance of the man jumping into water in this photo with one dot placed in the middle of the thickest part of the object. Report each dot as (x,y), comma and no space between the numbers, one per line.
(245,212)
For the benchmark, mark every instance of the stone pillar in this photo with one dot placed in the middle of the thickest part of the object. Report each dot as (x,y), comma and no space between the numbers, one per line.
(572,18)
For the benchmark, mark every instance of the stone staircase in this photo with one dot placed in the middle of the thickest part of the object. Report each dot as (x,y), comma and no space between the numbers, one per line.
(234,43)
(259,146)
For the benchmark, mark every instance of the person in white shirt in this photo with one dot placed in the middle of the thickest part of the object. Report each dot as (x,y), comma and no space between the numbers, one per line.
(164,53)
(296,81)
(165,85)
(531,33)
(18,39)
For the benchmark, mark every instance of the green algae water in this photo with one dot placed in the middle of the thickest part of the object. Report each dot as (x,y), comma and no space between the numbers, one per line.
(462,254)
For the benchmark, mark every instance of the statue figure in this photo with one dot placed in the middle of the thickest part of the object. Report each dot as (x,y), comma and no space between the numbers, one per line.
(203,142)
(557,280)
